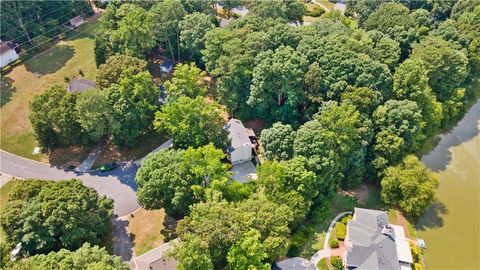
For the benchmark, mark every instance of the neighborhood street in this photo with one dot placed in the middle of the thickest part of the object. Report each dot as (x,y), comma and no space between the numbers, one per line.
(118,184)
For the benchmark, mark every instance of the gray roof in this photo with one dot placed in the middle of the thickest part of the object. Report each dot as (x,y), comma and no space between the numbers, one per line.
(155,258)
(76,20)
(237,134)
(224,22)
(372,241)
(296,263)
(5,47)
(80,85)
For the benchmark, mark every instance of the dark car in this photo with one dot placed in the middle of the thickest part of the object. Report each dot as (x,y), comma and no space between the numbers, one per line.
(108,167)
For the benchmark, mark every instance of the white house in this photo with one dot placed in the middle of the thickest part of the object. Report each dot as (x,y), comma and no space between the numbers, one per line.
(76,21)
(240,149)
(166,66)
(7,53)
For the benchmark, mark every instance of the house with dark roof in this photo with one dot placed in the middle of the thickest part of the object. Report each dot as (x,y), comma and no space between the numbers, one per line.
(372,243)
(80,85)
(7,53)
(240,149)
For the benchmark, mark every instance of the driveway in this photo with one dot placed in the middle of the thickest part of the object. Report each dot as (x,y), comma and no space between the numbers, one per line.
(87,164)
(118,184)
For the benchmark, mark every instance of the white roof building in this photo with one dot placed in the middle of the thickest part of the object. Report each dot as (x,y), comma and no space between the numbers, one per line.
(240,149)
(7,53)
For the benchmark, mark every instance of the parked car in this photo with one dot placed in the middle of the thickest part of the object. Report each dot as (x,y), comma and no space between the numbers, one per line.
(108,167)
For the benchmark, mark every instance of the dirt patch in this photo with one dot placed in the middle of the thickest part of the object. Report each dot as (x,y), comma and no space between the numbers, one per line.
(68,157)
(256,124)
(145,228)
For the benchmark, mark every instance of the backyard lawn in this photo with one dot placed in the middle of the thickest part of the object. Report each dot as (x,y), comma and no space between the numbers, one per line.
(146,227)
(64,60)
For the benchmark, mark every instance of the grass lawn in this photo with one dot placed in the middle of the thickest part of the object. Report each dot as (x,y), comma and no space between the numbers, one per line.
(145,228)
(4,193)
(326,3)
(24,82)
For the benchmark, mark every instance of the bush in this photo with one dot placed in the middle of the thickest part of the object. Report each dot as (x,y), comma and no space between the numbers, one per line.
(337,263)
(346,219)
(316,12)
(340,230)
(334,243)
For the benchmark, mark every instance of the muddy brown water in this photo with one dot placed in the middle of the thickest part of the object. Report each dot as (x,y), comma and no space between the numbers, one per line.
(451,227)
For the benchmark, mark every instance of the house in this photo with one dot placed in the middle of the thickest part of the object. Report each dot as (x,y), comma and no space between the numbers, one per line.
(166,66)
(240,149)
(372,243)
(296,263)
(340,7)
(7,53)
(76,21)
(156,259)
(80,85)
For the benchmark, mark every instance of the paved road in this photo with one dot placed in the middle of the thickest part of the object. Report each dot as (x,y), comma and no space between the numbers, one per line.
(118,184)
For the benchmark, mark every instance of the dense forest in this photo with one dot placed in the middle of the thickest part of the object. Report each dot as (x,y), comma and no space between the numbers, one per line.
(348,99)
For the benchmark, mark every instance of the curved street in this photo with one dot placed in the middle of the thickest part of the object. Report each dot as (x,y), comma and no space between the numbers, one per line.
(117,184)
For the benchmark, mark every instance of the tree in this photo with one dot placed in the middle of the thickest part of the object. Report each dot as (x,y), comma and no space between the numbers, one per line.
(394,20)
(446,67)
(134,34)
(133,103)
(192,122)
(247,253)
(291,183)
(193,28)
(228,5)
(384,49)
(409,186)
(176,179)
(399,131)
(364,99)
(277,142)
(110,72)
(94,114)
(168,15)
(276,88)
(193,255)
(364,8)
(86,257)
(187,81)
(290,10)
(63,214)
(220,225)
(411,82)
(55,120)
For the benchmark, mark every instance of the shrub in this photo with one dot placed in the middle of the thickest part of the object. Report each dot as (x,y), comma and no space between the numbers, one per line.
(337,263)
(334,243)
(316,12)
(346,219)
(417,266)
(340,230)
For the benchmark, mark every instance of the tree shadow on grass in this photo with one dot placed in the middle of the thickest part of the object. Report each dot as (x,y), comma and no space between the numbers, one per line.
(169,228)
(432,218)
(6,90)
(51,60)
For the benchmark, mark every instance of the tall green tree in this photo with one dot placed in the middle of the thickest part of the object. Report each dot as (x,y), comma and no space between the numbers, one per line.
(167,16)
(187,81)
(133,102)
(110,72)
(63,214)
(290,10)
(86,257)
(409,186)
(176,179)
(193,28)
(192,122)
(277,142)
(277,84)
(247,253)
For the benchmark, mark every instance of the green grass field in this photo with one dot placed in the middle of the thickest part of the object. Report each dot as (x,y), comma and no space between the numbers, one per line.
(65,59)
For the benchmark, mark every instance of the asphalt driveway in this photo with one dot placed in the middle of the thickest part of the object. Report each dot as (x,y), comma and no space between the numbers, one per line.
(117,184)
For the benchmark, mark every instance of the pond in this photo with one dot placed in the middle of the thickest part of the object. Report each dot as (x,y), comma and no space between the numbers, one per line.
(451,227)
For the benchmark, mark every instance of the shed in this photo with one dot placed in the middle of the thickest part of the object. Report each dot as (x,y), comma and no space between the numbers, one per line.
(80,85)
(166,66)
(7,53)
(76,21)
(240,149)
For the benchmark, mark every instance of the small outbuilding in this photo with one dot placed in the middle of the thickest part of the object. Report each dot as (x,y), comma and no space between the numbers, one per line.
(80,85)
(240,149)
(76,21)
(7,53)
(166,66)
